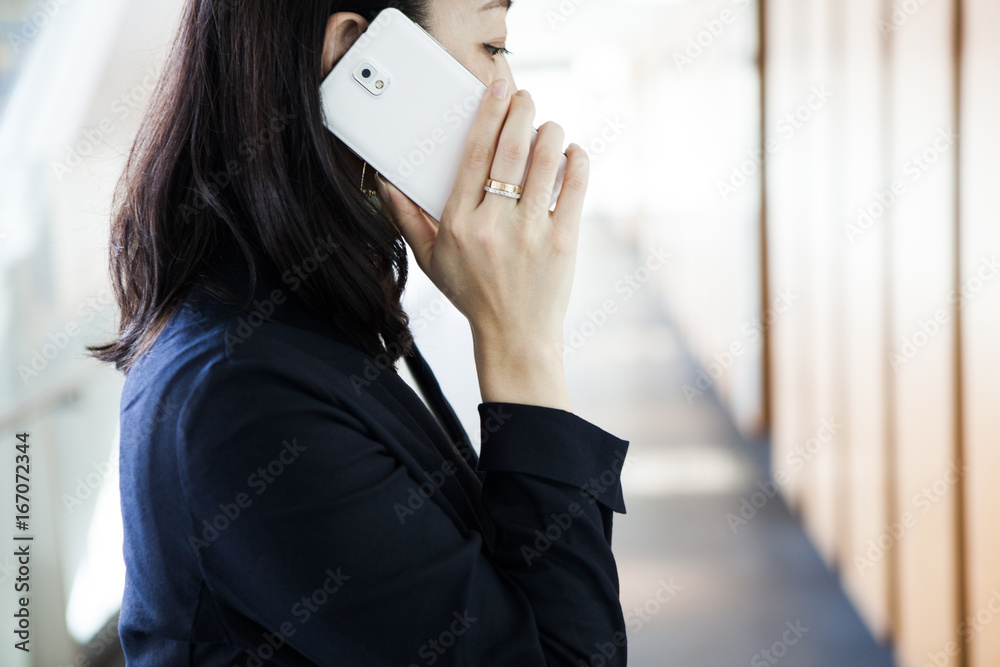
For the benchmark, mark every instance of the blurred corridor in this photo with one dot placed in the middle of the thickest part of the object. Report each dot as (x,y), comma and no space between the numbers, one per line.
(704,522)
(784,300)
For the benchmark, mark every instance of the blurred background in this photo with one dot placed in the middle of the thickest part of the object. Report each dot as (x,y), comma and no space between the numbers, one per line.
(787,300)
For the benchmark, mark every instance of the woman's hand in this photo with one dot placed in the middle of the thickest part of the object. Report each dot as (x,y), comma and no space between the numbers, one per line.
(506,264)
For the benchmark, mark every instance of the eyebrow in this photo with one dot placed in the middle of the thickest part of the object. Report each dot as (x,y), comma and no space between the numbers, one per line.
(497,4)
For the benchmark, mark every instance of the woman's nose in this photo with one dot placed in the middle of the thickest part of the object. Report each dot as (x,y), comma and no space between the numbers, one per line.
(503,71)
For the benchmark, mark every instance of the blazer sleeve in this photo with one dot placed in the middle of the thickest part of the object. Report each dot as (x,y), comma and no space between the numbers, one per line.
(291,503)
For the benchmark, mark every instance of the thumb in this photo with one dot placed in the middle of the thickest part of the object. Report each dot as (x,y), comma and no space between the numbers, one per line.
(416,227)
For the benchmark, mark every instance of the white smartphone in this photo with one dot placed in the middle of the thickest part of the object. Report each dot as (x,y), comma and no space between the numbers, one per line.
(403,104)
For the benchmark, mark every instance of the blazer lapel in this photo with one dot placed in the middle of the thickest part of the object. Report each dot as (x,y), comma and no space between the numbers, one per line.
(405,415)
(446,433)
(408,419)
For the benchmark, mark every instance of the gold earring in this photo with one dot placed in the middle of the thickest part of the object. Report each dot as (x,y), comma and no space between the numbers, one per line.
(370,192)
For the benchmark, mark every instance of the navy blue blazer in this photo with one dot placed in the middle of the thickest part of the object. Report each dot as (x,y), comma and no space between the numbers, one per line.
(289,500)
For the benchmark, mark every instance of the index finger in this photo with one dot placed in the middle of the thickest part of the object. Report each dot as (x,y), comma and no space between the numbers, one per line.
(481,146)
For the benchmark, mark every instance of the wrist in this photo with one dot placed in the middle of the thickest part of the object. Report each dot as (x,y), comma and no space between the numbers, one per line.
(528,372)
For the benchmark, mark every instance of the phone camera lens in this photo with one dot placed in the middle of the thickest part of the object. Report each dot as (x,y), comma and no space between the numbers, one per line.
(366,73)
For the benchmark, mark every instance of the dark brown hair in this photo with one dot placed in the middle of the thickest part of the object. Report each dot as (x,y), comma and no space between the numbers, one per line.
(233,150)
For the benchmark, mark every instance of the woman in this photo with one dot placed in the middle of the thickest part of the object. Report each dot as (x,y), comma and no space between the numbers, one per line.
(287,498)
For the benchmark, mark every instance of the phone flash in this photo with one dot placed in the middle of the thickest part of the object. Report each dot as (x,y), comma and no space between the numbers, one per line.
(371,77)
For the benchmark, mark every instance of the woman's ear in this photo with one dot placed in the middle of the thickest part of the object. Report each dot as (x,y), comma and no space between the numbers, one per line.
(342,30)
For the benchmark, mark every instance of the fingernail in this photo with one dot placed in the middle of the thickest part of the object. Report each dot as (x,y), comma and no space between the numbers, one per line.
(383,191)
(524,93)
(499,88)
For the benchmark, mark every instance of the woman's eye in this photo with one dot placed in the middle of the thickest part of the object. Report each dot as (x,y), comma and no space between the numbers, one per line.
(494,51)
